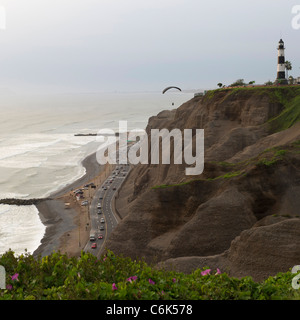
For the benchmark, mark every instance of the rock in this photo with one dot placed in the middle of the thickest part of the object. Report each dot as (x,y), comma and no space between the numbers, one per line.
(264,251)
(22,202)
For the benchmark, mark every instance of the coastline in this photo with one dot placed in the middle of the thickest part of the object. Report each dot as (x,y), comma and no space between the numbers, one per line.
(67,228)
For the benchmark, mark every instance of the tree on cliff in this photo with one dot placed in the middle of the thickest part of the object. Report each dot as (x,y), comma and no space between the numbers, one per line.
(238,82)
(288,66)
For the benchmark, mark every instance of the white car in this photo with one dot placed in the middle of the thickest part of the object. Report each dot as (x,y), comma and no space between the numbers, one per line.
(102,220)
(99,206)
(84,203)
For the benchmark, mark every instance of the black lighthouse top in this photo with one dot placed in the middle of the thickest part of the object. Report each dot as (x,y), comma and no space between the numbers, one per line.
(280,44)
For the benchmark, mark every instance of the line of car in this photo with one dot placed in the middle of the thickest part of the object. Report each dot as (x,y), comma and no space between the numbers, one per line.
(105,187)
(101,228)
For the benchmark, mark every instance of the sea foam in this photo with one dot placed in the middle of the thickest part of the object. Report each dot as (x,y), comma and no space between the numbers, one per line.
(20,228)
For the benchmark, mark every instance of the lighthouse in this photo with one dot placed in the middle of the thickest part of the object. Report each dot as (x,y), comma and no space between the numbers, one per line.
(281,64)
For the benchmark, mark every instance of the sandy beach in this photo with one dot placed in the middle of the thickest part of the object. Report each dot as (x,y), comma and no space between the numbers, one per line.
(68,227)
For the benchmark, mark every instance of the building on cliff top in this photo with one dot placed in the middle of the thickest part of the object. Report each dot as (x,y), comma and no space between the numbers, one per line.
(281,79)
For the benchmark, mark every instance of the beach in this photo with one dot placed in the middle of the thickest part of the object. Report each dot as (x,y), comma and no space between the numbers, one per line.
(67,227)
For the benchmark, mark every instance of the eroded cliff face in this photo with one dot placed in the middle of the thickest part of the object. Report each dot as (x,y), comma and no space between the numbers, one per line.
(241,214)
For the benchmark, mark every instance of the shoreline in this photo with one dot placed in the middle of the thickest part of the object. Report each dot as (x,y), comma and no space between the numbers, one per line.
(67,228)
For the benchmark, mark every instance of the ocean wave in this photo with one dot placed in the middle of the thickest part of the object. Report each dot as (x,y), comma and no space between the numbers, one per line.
(11,195)
(20,228)
(12,149)
(15,154)
(63,181)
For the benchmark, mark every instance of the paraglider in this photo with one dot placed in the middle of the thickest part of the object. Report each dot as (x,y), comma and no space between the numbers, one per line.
(168,88)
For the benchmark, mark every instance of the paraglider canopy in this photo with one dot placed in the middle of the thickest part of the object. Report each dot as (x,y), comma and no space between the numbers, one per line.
(168,88)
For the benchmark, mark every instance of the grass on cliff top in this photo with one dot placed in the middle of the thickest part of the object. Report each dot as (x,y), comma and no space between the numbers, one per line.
(58,277)
(281,93)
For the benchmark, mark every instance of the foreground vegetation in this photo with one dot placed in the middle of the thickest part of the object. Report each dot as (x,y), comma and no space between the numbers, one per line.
(113,277)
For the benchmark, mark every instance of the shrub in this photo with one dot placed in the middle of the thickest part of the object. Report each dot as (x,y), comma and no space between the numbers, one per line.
(114,277)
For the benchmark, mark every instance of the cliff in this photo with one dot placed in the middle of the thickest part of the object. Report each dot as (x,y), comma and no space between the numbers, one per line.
(242,213)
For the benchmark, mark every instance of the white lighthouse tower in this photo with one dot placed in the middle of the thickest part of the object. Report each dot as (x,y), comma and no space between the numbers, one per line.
(281,64)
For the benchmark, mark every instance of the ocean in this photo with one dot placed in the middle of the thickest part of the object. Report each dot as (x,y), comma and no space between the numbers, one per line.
(40,154)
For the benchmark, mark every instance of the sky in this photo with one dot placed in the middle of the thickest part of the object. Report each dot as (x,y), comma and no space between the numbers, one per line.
(142,45)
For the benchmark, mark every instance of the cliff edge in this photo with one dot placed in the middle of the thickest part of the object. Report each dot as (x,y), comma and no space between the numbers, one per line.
(241,214)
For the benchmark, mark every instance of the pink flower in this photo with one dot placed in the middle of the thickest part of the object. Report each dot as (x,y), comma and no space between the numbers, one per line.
(218,271)
(9,287)
(15,277)
(151,281)
(205,272)
(114,287)
(174,279)
(133,278)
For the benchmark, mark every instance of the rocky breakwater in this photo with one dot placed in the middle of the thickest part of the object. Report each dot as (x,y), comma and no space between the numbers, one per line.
(22,202)
(242,213)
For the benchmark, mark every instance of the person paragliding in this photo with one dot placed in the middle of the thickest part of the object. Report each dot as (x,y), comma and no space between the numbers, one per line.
(168,88)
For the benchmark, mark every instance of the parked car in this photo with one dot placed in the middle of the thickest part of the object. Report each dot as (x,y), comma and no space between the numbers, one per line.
(102,220)
(100,236)
(84,203)
(101,227)
(94,245)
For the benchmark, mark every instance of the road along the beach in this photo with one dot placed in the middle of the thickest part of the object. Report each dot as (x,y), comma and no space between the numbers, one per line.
(103,219)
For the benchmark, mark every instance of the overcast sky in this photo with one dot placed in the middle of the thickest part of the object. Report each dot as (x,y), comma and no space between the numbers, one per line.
(138,45)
